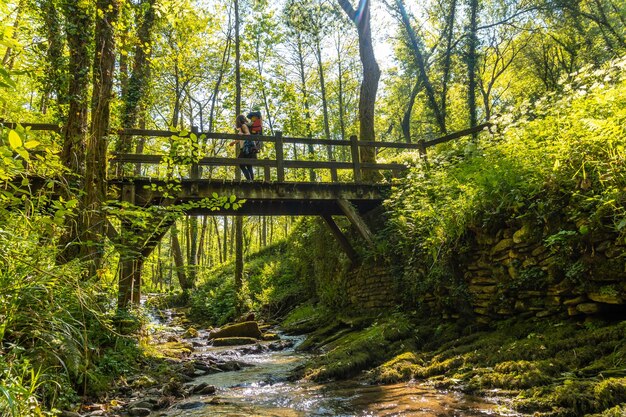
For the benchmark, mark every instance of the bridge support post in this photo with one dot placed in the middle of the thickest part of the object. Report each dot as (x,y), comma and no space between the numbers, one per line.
(280,157)
(341,238)
(356,220)
(356,158)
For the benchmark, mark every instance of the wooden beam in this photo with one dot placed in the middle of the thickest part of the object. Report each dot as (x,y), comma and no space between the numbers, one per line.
(341,238)
(356,220)
(356,159)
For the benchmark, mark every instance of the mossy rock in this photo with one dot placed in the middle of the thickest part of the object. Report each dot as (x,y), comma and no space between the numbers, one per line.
(247,329)
(234,341)
(190,333)
(175,349)
(401,368)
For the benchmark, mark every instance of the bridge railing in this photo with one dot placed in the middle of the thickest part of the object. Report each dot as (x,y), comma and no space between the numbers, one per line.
(280,164)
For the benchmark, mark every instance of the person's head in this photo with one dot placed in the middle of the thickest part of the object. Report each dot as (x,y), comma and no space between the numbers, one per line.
(240,121)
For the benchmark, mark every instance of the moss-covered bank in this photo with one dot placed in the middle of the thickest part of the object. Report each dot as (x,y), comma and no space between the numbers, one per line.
(547,367)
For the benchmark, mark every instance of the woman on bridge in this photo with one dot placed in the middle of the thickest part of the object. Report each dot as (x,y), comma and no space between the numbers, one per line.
(246,146)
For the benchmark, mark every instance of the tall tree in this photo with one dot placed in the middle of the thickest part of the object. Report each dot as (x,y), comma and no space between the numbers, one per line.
(140,75)
(79,38)
(96,158)
(361,17)
(238,219)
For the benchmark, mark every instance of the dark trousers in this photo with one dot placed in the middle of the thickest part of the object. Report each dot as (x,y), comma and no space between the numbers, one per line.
(247,170)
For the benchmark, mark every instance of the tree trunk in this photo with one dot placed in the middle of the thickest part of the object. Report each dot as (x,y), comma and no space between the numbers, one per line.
(472,64)
(9,58)
(96,155)
(56,71)
(179,261)
(320,68)
(79,25)
(406,119)
(342,122)
(371,76)
(138,81)
(238,219)
(447,59)
(305,98)
(421,65)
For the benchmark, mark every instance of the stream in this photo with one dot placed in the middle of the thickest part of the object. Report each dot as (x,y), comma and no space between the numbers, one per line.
(262,387)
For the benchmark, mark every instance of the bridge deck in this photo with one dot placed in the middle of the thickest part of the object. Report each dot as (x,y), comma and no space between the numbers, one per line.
(262,198)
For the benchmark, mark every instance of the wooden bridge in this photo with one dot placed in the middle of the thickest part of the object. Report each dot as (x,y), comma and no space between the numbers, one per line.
(181,177)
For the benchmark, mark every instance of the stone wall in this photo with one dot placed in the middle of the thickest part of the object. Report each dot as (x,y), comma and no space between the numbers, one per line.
(371,288)
(513,272)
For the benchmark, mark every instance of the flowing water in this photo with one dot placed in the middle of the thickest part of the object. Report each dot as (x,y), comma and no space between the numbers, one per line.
(264,390)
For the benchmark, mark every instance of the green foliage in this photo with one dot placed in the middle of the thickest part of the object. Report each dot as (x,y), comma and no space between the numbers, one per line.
(562,158)
(271,287)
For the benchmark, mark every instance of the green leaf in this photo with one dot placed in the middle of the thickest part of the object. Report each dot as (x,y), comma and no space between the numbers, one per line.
(215,195)
(227,205)
(22,152)
(233,198)
(14,139)
(31,144)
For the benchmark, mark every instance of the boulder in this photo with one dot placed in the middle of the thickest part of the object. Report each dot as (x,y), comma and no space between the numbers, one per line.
(233,341)
(247,329)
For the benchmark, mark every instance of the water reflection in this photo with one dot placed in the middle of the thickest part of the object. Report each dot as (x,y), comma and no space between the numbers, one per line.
(265,391)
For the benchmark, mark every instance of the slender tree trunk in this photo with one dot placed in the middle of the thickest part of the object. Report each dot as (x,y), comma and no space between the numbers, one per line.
(421,65)
(472,60)
(179,260)
(342,122)
(406,119)
(238,219)
(447,60)
(369,84)
(305,98)
(9,58)
(320,68)
(56,71)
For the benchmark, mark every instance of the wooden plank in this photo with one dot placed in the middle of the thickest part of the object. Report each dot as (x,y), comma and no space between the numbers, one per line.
(356,159)
(318,164)
(34,126)
(356,220)
(311,141)
(341,238)
(457,135)
(397,145)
